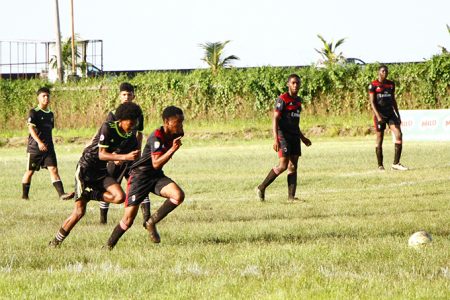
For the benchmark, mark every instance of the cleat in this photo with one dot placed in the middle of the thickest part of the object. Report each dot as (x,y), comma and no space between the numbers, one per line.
(294,200)
(107,247)
(67,196)
(54,243)
(154,235)
(399,167)
(381,168)
(25,198)
(260,194)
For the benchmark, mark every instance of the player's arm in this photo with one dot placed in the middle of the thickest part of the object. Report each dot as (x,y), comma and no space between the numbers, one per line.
(105,155)
(275,119)
(374,107)
(34,135)
(139,137)
(305,140)
(394,104)
(159,159)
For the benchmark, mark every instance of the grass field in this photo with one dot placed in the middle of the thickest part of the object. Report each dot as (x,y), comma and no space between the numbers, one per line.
(347,239)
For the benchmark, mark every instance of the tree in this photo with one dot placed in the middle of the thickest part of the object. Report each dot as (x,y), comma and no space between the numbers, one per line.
(443,49)
(213,53)
(328,52)
(66,56)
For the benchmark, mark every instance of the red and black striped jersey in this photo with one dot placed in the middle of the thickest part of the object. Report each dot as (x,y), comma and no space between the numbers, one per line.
(384,95)
(290,108)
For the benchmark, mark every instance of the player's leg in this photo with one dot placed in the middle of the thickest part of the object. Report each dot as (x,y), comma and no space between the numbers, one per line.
(76,215)
(273,174)
(379,131)
(292,177)
(124,224)
(57,183)
(104,208)
(174,195)
(113,194)
(145,208)
(26,183)
(398,136)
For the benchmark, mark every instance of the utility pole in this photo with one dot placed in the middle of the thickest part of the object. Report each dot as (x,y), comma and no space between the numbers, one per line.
(58,46)
(74,70)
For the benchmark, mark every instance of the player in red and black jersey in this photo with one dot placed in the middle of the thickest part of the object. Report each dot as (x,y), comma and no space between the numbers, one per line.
(118,170)
(40,149)
(385,111)
(92,180)
(147,176)
(287,136)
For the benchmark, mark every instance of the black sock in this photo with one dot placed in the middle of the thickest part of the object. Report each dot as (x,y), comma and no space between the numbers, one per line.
(59,187)
(269,179)
(398,153)
(292,184)
(25,190)
(104,207)
(163,211)
(379,152)
(145,208)
(116,235)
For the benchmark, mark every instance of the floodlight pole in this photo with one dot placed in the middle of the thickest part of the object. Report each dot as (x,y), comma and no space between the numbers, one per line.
(60,69)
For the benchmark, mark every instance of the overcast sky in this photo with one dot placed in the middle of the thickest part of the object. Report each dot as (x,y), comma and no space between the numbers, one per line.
(148,34)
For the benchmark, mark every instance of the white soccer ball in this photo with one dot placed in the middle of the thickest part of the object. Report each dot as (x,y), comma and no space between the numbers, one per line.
(419,238)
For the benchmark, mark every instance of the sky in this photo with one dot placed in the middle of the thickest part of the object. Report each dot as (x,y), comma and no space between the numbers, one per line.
(151,35)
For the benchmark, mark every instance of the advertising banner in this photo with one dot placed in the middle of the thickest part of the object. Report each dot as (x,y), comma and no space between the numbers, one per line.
(426,125)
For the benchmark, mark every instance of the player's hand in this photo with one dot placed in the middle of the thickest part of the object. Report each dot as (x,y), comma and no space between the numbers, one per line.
(133,155)
(380,123)
(177,143)
(306,141)
(276,146)
(42,147)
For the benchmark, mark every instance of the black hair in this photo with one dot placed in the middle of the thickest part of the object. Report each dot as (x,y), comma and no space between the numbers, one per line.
(128,111)
(171,111)
(127,87)
(293,76)
(43,89)
(383,67)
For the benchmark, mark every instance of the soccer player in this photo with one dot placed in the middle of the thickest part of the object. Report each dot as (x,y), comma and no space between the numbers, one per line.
(118,170)
(147,176)
(287,136)
(385,111)
(92,180)
(40,149)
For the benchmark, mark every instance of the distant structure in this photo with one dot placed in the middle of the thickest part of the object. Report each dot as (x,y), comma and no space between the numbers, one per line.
(31,59)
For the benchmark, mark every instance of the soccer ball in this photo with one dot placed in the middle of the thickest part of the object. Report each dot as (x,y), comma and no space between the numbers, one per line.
(419,238)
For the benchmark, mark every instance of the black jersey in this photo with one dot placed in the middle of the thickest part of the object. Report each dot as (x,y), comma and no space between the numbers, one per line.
(139,127)
(290,108)
(384,96)
(43,123)
(157,143)
(109,137)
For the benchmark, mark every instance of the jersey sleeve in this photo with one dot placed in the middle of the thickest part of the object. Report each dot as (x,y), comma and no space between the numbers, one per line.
(156,145)
(32,118)
(279,105)
(110,117)
(104,136)
(140,124)
(371,88)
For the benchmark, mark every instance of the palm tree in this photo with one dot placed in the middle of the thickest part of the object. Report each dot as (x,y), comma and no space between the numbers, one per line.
(66,56)
(213,53)
(328,52)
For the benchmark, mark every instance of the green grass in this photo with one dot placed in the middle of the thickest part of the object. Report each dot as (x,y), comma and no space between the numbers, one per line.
(348,239)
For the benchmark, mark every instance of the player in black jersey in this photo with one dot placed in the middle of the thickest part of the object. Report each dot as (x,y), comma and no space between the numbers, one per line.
(147,176)
(385,111)
(118,170)
(287,136)
(40,149)
(92,181)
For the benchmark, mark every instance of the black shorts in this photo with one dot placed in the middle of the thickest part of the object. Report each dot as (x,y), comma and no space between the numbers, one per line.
(289,145)
(86,178)
(36,161)
(390,119)
(118,172)
(140,185)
